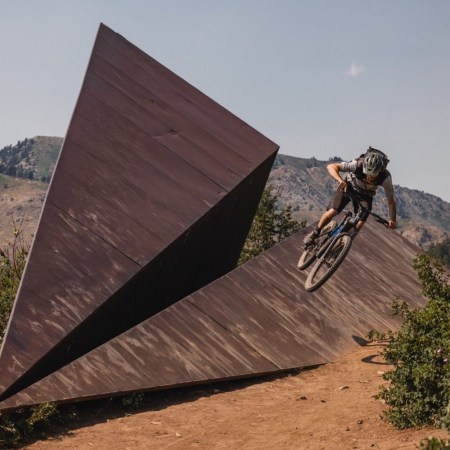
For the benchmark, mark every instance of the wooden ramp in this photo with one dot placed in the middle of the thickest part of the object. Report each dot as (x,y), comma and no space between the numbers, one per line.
(255,320)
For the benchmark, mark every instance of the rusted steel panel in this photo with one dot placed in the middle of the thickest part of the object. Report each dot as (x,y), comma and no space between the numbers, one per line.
(134,219)
(142,152)
(261,308)
(144,117)
(189,100)
(255,318)
(219,166)
(141,358)
(226,236)
(106,204)
(46,312)
(150,112)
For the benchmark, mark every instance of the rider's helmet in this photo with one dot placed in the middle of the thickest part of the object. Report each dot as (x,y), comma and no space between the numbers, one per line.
(373,164)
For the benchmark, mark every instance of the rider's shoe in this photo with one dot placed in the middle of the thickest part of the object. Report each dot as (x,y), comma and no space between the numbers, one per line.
(311,237)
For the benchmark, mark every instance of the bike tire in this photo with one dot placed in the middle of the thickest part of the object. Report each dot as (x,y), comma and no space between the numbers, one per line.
(306,258)
(309,254)
(324,268)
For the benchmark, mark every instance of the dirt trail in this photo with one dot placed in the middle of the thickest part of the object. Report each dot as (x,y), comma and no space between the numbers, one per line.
(330,407)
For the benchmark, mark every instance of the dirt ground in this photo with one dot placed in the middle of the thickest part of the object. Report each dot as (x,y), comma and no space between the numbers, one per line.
(329,407)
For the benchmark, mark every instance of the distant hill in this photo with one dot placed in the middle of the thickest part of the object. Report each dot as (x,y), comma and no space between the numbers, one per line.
(304,183)
(33,159)
(25,171)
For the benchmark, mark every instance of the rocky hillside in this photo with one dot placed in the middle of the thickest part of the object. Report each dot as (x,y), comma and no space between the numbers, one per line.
(304,183)
(21,202)
(33,158)
(25,170)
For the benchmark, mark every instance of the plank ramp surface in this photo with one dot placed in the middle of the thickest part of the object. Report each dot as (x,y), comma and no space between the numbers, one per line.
(255,320)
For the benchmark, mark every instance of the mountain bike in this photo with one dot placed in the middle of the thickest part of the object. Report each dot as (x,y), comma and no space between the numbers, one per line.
(332,245)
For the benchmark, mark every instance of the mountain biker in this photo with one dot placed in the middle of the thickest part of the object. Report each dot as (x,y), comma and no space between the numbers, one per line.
(363,176)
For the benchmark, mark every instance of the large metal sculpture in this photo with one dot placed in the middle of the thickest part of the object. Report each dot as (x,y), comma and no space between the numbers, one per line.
(131,283)
(152,197)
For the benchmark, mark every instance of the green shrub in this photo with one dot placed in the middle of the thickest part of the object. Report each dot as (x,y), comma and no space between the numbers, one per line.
(40,414)
(12,262)
(17,425)
(133,401)
(434,444)
(419,392)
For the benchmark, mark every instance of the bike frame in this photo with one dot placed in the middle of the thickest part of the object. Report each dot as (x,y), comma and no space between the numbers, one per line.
(348,222)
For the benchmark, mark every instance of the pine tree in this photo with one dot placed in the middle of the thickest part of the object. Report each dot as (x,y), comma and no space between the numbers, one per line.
(269,226)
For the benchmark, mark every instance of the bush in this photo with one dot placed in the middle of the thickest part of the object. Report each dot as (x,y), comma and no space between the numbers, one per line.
(12,262)
(133,401)
(441,251)
(419,392)
(434,444)
(17,425)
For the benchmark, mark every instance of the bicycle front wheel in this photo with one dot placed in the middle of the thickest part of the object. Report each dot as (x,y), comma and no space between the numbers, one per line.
(306,258)
(325,267)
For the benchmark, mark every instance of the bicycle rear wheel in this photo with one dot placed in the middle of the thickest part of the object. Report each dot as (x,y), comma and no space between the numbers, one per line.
(309,253)
(325,267)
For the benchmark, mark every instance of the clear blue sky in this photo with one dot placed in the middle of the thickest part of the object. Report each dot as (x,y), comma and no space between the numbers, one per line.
(320,78)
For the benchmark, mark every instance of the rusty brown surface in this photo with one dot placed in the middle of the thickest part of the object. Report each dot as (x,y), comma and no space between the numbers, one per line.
(152,198)
(255,320)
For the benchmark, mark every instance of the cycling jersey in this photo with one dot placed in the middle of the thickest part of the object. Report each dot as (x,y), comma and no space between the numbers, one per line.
(359,181)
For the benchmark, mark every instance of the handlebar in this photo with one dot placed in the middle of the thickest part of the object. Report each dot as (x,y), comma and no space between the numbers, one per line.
(381,220)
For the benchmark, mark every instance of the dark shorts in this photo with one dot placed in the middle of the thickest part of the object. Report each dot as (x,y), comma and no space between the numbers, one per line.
(340,201)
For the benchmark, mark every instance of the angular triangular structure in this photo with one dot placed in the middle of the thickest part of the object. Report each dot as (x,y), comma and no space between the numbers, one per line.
(255,320)
(152,198)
